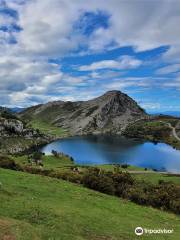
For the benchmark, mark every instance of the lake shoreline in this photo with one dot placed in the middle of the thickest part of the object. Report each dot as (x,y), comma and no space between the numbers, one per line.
(117,150)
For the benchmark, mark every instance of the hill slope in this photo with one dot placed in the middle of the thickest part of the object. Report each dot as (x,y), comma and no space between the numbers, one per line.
(15,136)
(110,112)
(37,207)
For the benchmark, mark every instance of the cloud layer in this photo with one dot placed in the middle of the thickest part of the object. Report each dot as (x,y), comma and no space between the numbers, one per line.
(36,36)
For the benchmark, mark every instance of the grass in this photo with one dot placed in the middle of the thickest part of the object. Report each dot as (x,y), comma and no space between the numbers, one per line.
(63,164)
(12,229)
(155,177)
(49,162)
(155,124)
(110,167)
(37,207)
(47,128)
(156,129)
(152,177)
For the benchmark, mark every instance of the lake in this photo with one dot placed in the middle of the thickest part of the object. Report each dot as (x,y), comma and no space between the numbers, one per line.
(90,150)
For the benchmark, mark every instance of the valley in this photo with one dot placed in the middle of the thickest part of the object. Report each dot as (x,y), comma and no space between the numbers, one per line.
(47,196)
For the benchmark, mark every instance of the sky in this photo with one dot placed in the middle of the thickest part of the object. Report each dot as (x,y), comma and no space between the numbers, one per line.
(76,50)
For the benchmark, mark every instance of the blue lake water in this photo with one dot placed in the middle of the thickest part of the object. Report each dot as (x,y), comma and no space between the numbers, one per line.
(117,150)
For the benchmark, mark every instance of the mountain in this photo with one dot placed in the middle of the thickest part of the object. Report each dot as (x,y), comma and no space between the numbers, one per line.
(12,110)
(17,109)
(109,113)
(171,113)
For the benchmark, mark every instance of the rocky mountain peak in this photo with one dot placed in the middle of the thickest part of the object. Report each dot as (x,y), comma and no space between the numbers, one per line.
(113,93)
(111,113)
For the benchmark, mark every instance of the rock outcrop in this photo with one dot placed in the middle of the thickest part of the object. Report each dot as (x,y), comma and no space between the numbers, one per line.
(16,137)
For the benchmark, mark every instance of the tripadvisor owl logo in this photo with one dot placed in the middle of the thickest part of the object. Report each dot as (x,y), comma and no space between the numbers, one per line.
(139,231)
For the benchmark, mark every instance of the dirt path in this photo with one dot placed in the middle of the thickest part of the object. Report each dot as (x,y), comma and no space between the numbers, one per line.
(148,171)
(174,131)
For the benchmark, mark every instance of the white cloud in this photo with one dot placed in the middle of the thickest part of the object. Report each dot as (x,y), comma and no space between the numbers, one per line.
(47,28)
(106,74)
(151,105)
(22,77)
(173,68)
(125,62)
(175,84)
(17,70)
(126,82)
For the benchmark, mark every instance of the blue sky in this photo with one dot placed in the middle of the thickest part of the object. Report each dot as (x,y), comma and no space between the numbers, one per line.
(77,50)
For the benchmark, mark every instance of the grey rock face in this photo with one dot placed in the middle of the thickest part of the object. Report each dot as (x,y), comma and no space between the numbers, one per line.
(16,137)
(7,127)
(15,125)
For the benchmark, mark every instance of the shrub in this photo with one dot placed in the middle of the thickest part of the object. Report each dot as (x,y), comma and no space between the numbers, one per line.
(137,195)
(8,163)
(55,153)
(99,181)
(175,206)
(37,155)
(125,165)
(123,178)
(161,181)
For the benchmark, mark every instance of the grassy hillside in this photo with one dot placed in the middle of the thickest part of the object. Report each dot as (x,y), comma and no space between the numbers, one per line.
(37,207)
(47,128)
(156,129)
(64,164)
(43,120)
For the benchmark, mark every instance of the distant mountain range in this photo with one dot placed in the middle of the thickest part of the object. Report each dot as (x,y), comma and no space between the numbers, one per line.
(17,109)
(13,110)
(171,113)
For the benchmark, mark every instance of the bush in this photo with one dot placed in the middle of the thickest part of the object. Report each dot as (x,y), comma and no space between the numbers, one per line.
(55,153)
(137,195)
(124,165)
(165,195)
(6,162)
(161,181)
(37,155)
(123,178)
(175,206)
(99,181)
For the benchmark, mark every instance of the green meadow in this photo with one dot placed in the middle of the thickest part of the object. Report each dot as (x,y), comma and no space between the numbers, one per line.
(38,207)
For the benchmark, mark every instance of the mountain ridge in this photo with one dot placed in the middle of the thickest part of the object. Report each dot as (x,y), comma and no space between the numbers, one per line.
(109,113)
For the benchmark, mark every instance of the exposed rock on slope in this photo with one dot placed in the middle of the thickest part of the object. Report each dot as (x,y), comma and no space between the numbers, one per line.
(15,136)
(110,113)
